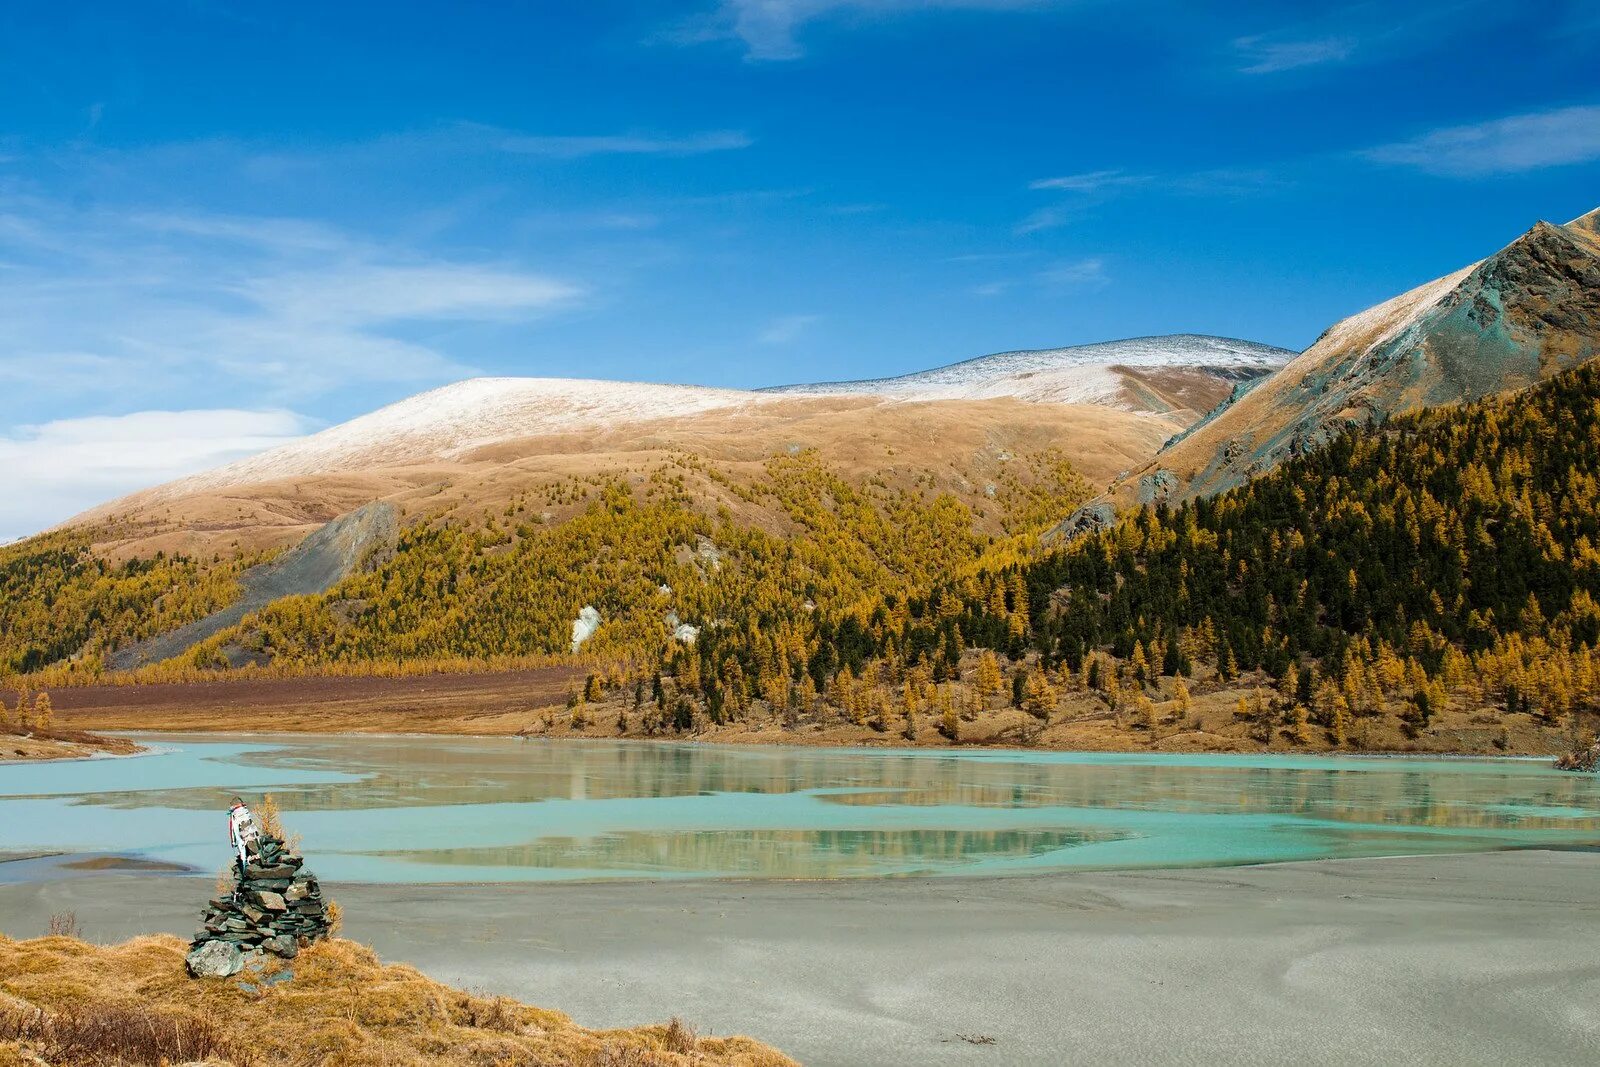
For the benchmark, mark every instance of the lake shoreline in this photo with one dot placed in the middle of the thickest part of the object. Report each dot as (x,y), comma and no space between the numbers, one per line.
(533,702)
(1354,961)
(36,748)
(154,736)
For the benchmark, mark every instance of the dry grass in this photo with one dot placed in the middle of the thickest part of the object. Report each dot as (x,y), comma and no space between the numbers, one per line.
(59,744)
(961,444)
(72,1003)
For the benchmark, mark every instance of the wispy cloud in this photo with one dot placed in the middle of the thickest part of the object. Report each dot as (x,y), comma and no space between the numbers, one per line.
(785,329)
(368,293)
(1080,193)
(1087,271)
(628,144)
(1265,54)
(284,309)
(1554,138)
(1361,32)
(1045,218)
(769,29)
(55,470)
(1092,182)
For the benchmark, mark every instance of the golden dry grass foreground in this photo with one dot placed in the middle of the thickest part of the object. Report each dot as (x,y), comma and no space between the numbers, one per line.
(66,1002)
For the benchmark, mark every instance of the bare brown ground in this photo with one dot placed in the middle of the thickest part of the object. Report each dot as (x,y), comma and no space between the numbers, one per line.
(69,1003)
(60,744)
(436,703)
(533,702)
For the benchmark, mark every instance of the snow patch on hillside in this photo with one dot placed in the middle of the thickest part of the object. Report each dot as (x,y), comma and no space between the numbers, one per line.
(584,626)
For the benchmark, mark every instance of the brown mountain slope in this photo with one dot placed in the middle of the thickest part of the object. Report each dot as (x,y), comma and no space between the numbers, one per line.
(478,443)
(1525,313)
(960,446)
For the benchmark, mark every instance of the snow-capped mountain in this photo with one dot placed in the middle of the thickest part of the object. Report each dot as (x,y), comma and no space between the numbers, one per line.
(1183,373)
(1083,374)
(443,423)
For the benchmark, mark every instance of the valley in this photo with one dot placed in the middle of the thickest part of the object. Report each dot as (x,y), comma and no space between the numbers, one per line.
(929,560)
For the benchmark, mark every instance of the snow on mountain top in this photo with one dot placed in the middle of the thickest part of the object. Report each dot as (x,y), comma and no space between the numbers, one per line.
(1082,374)
(445,422)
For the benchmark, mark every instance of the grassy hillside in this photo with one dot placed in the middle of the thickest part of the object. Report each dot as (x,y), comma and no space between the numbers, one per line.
(1431,585)
(647,551)
(67,1002)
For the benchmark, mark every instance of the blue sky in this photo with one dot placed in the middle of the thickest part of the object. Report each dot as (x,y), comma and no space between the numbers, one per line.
(222,224)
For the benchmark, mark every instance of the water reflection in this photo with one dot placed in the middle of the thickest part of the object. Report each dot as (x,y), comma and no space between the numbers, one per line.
(431,809)
(765,853)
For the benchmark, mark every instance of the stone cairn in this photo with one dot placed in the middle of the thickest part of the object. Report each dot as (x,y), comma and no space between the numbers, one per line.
(276,906)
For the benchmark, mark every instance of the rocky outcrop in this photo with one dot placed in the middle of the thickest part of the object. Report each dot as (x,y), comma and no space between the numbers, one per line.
(318,563)
(1582,759)
(1524,314)
(276,906)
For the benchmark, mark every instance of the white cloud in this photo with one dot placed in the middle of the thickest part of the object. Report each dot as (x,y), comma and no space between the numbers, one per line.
(1088,271)
(53,471)
(1554,138)
(1091,182)
(1267,54)
(785,328)
(375,293)
(1045,218)
(278,233)
(183,304)
(769,28)
(575,147)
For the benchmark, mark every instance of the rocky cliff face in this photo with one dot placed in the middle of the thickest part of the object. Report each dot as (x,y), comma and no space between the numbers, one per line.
(321,561)
(1529,311)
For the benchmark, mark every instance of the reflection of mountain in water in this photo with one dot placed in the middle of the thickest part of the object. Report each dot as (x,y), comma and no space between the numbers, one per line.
(400,772)
(443,809)
(765,853)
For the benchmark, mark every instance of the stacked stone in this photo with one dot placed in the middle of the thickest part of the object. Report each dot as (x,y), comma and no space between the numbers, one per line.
(276,907)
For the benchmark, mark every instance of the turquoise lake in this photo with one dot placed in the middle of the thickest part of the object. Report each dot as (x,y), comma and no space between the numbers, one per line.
(413,809)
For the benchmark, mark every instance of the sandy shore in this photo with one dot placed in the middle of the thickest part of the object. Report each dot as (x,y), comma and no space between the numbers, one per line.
(1483,959)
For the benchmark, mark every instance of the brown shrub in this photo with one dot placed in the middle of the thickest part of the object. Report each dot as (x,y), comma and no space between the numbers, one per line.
(680,1037)
(99,1032)
(65,924)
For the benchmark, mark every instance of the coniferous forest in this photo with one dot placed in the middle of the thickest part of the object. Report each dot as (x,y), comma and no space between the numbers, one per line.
(1444,564)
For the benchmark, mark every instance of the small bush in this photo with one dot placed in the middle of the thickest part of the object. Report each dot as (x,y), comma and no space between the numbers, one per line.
(65,924)
(114,1033)
(680,1037)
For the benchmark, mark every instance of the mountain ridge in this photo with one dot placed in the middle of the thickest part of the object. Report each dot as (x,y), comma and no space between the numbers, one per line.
(1507,321)
(475,437)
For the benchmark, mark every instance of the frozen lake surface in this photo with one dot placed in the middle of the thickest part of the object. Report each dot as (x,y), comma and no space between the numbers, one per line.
(451,810)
